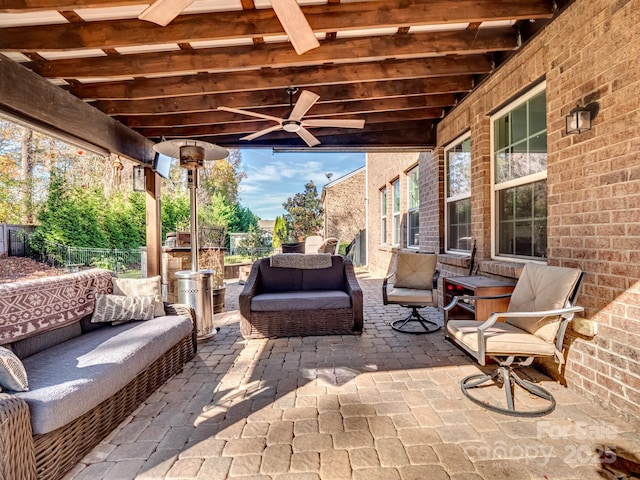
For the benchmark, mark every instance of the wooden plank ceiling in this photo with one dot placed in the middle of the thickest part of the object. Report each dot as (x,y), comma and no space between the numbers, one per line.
(400,65)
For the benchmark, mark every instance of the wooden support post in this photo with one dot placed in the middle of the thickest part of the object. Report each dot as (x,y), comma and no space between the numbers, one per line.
(154,223)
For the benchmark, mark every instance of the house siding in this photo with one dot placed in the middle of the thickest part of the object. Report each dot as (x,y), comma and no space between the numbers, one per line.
(344,207)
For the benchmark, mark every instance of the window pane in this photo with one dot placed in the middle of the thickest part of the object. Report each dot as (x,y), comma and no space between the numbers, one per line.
(459,169)
(507,204)
(540,200)
(396,229)
(519,124)
(503,172)
(459,225)
(540,238)
(501,132)
(414,190)
(383,201)
(538,113)
(396,197)
(522,226)
(414,229)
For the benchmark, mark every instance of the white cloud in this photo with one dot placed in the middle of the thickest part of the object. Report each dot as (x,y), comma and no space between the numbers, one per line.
(274,177)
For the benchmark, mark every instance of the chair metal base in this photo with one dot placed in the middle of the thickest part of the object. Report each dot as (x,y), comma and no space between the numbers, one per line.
(427,325)
(504,376)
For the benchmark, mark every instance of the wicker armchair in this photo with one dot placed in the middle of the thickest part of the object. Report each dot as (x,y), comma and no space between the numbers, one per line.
(289,302)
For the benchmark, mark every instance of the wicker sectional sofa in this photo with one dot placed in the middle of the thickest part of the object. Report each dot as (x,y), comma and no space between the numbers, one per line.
(289,302)
(84,378)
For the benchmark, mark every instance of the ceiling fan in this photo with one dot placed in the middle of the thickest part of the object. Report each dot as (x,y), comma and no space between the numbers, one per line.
(296,26)
(294,122)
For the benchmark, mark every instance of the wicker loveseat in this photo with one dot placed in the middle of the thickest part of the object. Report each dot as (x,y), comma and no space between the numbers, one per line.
(84,378)
(282,301)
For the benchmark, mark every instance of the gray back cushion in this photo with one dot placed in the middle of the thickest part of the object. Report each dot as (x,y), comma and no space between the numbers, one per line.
(31,345)
(274,279)
(325,278)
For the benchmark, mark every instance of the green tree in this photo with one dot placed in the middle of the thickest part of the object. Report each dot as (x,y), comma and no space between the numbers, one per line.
(253,243)
(304,212)
(222,177)
(71,216)
(280,232)
(174,209)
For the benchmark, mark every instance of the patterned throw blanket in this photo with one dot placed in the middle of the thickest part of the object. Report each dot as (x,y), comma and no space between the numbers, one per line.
(300,260)
(35,306)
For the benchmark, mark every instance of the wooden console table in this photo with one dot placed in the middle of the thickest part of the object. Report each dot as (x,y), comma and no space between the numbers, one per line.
(480,286)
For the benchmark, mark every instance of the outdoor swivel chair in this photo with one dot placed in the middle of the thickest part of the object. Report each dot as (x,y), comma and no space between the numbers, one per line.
(415,283)
(540,308)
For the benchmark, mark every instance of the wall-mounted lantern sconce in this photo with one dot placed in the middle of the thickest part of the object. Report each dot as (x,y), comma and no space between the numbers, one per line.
(139,183)
(580,118)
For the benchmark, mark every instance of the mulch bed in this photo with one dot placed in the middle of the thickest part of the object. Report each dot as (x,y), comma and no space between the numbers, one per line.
(14,269)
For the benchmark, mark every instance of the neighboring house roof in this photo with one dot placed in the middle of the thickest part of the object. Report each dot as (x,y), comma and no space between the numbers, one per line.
(267,225)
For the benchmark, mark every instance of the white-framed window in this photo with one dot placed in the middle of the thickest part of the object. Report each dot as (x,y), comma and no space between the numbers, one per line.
(457,166)
(519,178)
(383,215)
(395,233)
(413,208)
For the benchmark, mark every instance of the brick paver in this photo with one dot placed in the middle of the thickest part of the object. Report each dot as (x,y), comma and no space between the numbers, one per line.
(383,405)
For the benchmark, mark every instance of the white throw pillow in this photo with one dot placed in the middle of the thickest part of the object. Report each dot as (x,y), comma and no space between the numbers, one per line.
(138,287)
(13,376)
(118,309)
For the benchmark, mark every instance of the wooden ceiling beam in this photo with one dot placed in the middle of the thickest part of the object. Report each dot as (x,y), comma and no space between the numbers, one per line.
(335,109)
(35,101)
(257,99)
(281,55)
(254,126)
(269,78)
(259,23)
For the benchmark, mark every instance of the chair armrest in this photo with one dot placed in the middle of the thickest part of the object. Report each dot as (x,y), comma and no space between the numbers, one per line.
(352,288)
(436,276)
(566,313)
(184,311)
(457,299)
(17,452)
(250,290)
(385,285)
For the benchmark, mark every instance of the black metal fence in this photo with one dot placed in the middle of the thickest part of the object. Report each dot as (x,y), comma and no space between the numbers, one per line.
(18,245)
(73,258)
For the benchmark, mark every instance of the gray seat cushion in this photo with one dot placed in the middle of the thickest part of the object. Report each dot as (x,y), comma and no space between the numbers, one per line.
(71,378)
(300,300)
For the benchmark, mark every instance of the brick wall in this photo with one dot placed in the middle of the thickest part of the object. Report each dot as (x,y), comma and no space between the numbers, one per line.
(345,207)
(589,53)
(382,169)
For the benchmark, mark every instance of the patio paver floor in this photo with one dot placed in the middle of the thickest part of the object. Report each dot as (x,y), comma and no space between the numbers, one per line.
(384,405)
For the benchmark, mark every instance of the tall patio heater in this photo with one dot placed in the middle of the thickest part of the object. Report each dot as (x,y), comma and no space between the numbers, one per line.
(195,285)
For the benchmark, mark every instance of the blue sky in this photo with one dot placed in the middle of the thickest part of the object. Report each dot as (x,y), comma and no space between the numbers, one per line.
(274,177)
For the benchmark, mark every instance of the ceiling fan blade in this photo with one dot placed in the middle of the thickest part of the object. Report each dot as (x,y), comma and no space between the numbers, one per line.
(163,11)
(251,114)
(304,103)
(331,122)
(307,137)
(262,132)
(295,24)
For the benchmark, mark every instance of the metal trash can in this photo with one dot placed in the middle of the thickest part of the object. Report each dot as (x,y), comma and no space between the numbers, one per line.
(195,290)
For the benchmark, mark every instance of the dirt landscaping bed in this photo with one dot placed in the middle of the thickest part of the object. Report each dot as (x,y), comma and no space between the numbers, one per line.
(14,269)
